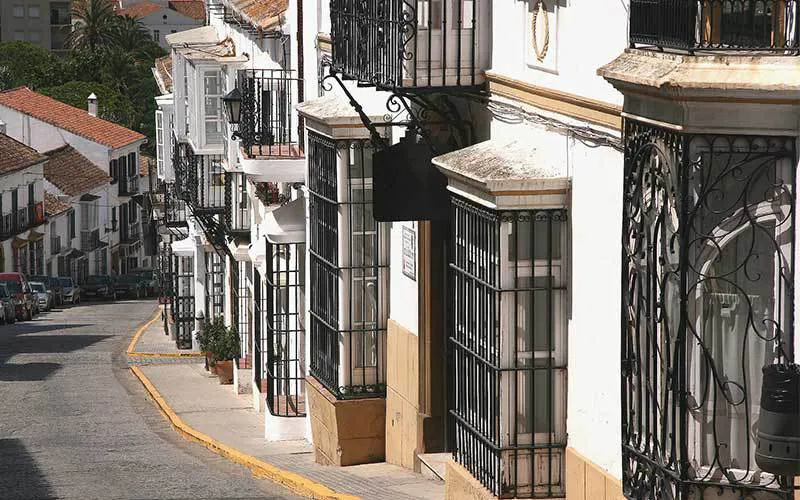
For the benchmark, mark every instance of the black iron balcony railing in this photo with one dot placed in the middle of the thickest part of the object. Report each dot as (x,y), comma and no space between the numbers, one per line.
(735,25)
(130,233)
(55,245)
(200,180)
(174,207)
(6,226)
(267,126)
(90,240)
(128,185)
(21,219)
(406,43)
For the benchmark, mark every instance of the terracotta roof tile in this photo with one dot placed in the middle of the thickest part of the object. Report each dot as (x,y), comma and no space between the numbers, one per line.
(163,72)
(139,10)
(64,116)
(265,14)
(195,9)
(73,173)
(54,206)
(15,156)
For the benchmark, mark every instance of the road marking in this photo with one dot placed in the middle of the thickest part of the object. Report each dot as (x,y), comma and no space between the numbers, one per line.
(290,480)
(132,346)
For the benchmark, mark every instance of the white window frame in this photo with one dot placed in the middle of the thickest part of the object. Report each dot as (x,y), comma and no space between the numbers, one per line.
(19,11)
(34,12)
(160,143)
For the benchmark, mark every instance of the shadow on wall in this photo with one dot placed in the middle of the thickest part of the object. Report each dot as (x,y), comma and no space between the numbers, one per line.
(20,476)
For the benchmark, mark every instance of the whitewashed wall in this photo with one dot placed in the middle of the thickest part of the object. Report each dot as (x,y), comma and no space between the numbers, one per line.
(167,21)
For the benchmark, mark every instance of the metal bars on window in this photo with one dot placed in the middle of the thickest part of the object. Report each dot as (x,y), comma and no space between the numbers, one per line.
(200,180)
(707,301)
(183,301)
(285,339)
(507,344)
(215,288)
(405,43)
(267,125)
(348,292)
(763,25)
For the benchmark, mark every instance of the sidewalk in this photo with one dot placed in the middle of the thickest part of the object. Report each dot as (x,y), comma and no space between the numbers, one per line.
(151,345)
(203,404)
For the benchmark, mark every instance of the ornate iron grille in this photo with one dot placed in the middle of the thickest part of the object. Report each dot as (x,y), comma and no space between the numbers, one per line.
(707,300)
(174,207)
(215,286)
(242,307)
(356,367)
(267,127)
(285,338)
(183,301)
(405,43)
(770,25)
(507,345)
(237,208)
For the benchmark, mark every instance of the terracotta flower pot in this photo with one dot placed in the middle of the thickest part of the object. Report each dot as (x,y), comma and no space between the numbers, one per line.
(224,370)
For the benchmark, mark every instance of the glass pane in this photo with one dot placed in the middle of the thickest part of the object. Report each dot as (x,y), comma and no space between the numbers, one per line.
(535,328)
(524,244)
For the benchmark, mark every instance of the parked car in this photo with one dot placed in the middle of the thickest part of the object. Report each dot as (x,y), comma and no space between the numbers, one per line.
(130,285)
(43,295)
(100,286)
(69,290)
(18,288)
(148,279)
(7,304)
(45,280)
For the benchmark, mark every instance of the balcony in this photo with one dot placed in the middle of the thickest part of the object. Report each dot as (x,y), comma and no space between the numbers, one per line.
(411,45)
(128,185)
(55,245)
(6,226)
(716,25)
(90,240)
(271,135)
(200,180)
(174,207)
(130,233)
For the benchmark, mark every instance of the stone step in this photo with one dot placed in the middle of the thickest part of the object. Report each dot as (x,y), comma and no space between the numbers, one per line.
(433,465)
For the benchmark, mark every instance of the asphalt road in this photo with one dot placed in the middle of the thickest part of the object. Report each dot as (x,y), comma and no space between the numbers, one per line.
(75,423)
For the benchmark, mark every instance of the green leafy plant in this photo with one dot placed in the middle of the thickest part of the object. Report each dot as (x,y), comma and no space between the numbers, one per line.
(220,341)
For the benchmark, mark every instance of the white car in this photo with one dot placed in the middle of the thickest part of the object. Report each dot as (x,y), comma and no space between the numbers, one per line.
(44,299)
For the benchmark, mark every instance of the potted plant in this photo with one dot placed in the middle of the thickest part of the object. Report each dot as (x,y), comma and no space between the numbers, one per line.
(223,343)
(204,336)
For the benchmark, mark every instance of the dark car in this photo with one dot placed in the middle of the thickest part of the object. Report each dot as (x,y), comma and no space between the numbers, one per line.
(148,279)
(99,286)
(70,291)
(7,303)
(26,305)
(130,285)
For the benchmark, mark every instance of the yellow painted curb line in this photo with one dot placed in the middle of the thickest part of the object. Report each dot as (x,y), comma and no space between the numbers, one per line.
(140,331)
(292,481)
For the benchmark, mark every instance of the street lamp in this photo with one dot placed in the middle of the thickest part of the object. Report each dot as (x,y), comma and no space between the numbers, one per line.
(233,109)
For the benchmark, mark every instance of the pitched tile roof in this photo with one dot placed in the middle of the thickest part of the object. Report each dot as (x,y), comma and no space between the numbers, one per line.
(64,116)
(15,156)
(73,173)
(163,73)
(139,10)
(195,9)
(264,14)
(54,206)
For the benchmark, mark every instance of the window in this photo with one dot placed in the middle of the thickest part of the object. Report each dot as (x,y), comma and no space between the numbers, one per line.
(71,223)
(156,36)
(212,95)
(718,291)
(89,215)
(113,218)
(19,11)
(113,168)
(133,166)
(19,36)
(508,333)
(31,194)
(160,142)
(33,12)
(362,268)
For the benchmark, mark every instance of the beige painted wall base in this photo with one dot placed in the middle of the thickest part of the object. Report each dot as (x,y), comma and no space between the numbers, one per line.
(403,421)
(345,432)
(584,481)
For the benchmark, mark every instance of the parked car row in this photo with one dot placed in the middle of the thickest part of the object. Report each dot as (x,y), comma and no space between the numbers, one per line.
(23,297)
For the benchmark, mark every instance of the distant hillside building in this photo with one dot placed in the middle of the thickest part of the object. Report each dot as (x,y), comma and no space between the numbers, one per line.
(162,17)
(41,22)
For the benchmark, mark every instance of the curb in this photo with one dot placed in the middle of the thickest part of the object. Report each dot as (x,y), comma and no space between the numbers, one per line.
(292,481)
(135,340)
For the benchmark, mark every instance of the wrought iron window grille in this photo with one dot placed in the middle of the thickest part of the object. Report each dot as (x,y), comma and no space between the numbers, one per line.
(182,303)
(707,300)
(357,368)
(716,25)
(215,285)
(507,348)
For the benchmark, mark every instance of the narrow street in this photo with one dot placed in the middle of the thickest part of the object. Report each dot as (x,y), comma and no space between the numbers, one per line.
(74,422)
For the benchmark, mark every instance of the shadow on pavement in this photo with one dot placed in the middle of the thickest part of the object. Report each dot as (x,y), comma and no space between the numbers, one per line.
(30,344)
(26,372)
(21,476)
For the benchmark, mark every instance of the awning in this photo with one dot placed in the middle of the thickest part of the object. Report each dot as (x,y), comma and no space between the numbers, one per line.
(34,235)
(89,197)
(258,251)
(184,247)
(287,224)
(239,247)
(18,242)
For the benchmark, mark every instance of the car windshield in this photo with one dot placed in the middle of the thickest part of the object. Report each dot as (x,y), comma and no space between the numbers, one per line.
(65,281)
(38,287)
(96,280)
(4,292)
(13,286)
